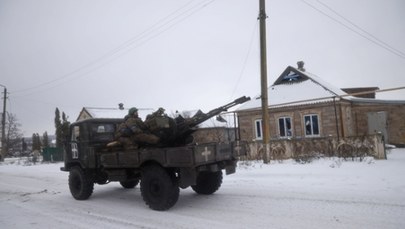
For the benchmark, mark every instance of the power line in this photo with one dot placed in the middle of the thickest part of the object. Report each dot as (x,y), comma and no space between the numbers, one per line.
(363,30)
(254,33)
(155,30)
(376,42)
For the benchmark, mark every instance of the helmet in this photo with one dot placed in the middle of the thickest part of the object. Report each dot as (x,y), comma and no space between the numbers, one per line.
(132,111)
(161,110)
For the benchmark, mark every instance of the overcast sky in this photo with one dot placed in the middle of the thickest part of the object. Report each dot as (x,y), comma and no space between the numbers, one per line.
(185,55)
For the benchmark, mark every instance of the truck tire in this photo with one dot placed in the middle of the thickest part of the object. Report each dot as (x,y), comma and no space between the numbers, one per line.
(129,184)
(159,187)
(208,182)
(81,184)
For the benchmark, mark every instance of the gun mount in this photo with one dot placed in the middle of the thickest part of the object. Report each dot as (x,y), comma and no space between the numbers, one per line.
(177,131)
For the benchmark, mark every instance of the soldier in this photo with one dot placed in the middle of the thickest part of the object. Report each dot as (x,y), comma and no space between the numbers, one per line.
(133,132)
(159,113)
(154,121)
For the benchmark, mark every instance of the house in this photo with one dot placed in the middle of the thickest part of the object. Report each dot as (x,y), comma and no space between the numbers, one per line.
(217,129)
(304,106)
(93,112)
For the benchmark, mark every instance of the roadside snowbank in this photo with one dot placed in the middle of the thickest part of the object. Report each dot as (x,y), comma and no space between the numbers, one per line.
(327,193)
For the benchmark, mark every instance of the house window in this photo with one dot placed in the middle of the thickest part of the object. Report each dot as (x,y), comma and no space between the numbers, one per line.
(258,129)
(311,123)
(292,76)
(284,127)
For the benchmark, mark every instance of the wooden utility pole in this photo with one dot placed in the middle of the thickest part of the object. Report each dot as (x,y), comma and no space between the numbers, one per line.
(263,74)
(3,126)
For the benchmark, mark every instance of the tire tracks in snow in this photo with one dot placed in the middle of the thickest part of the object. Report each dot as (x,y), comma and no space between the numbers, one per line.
(321,200)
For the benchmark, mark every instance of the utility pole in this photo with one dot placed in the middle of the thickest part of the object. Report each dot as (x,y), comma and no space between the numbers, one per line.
(3,126)
(263,80)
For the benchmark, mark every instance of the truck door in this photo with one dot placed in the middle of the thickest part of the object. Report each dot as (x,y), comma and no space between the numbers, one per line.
(74,143)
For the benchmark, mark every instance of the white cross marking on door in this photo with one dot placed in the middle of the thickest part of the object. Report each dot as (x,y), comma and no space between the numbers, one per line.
(206,153)
(75,151)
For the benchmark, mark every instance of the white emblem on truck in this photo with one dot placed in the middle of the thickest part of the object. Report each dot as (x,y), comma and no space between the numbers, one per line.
(206,153)
(75,151)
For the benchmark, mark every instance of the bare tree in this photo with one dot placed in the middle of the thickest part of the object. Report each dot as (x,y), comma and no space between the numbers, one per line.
(13,134)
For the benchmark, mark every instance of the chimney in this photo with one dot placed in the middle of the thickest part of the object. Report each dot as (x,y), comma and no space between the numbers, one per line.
(301,65)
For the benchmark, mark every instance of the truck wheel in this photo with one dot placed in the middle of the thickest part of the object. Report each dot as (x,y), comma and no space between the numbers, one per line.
(80,184)
(129,183)
(208,182)
(159,187)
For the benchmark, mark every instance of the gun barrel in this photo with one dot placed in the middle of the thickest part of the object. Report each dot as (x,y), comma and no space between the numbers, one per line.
(242,99)
(237,101)
(185,127)
(199,118)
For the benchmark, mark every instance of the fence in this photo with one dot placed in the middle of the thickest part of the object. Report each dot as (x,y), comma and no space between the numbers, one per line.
(52,154)
(308,148)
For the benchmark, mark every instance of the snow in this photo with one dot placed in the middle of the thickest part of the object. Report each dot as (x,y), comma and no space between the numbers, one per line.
(309,91)
(213,122)
(327,193)
(115,113)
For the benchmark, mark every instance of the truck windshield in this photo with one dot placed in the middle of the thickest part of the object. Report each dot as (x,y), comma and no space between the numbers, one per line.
(103,128)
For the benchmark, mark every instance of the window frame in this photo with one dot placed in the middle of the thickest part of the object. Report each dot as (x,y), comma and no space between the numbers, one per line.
(314,128)
(258,128)
(287,134)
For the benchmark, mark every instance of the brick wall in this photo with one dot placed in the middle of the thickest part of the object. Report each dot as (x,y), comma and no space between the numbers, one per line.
(395,120)
(325,112)
(331,116)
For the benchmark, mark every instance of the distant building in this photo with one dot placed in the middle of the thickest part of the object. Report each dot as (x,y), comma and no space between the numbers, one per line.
(93,112)
(362,92)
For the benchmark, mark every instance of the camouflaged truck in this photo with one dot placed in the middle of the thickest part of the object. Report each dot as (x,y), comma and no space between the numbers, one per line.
(161,170)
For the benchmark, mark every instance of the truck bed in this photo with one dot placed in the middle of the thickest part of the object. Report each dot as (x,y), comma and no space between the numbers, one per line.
(185,156)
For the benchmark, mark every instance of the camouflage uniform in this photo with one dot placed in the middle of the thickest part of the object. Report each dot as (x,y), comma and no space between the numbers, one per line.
(133,131)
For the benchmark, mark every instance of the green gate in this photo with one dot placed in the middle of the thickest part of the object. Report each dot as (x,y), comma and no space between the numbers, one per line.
(52,154)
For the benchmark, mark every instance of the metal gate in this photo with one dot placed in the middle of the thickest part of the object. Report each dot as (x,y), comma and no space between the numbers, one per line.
(377,122)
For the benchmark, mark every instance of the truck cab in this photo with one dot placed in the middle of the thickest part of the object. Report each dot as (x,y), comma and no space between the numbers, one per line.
(87,137)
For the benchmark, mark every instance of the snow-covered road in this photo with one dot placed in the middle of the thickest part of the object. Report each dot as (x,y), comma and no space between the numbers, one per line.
(326,193)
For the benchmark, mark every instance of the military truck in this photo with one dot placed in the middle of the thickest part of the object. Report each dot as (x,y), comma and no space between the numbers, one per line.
(161,169)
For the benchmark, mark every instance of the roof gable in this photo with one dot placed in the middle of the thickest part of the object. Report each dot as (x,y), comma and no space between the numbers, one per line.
(296,87)
(92,112)
(290,75)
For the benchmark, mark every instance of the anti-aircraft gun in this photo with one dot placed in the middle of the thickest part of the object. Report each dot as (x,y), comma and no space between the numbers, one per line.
(177,131)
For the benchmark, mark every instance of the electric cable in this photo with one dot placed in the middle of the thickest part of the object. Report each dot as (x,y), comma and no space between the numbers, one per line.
(163,25)
(361,29)
(254,33)
(353,30)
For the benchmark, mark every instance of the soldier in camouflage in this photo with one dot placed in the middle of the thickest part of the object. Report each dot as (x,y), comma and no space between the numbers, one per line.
(133,132)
